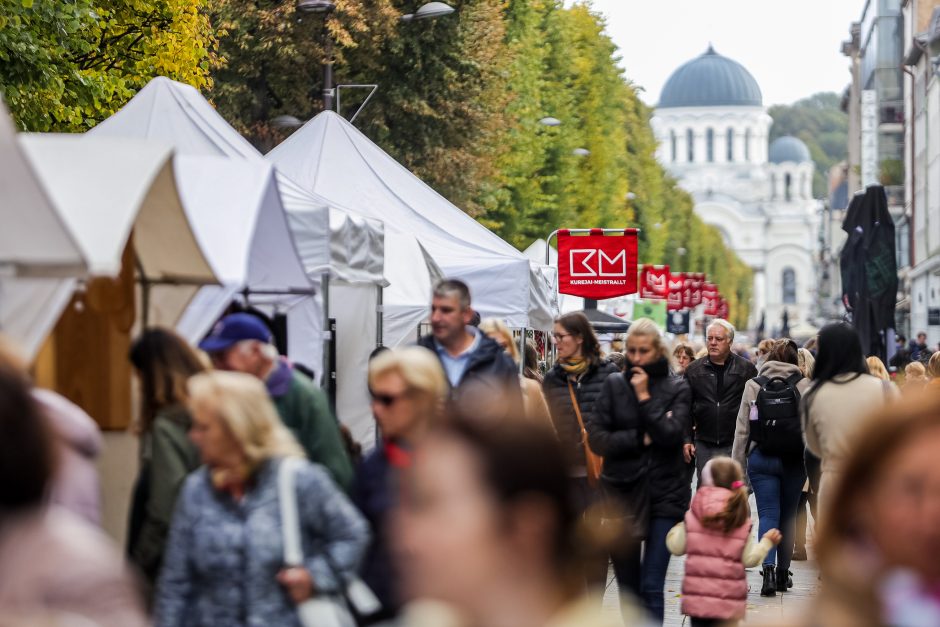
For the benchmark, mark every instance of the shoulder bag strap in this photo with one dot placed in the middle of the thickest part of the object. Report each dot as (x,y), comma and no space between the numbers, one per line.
(577,409)
(290,521)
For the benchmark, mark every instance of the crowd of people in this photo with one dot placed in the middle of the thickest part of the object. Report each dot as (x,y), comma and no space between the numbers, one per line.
(500,491)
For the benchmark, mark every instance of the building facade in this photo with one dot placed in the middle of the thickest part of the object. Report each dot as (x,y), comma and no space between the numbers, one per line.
(921,36)
(713,133)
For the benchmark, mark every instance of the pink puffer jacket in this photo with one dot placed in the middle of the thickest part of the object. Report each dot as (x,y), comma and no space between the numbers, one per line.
(715,585)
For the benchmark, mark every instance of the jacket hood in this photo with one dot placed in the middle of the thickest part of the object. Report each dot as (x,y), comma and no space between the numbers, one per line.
(778,369)
(70,423)
(709,500)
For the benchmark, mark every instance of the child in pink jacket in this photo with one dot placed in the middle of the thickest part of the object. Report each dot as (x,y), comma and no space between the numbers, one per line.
(716,535)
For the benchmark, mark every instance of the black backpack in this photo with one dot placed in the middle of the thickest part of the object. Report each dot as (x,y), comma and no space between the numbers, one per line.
(778,431)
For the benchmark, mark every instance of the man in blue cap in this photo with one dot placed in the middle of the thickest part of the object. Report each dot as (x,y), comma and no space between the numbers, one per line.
(241,342)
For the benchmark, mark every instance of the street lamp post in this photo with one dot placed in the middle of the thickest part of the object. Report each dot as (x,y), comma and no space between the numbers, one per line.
(324,8)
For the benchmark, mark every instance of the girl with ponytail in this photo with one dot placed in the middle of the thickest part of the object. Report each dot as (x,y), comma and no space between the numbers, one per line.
(717,537)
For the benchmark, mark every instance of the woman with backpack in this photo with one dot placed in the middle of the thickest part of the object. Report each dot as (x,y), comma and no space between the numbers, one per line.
(768,442)
(639,424)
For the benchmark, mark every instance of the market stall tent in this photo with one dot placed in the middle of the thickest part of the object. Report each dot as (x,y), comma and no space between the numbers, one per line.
(331,158)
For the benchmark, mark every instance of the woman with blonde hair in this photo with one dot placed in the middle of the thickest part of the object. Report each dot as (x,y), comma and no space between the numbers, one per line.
(807,362)
(933,370)
(408,389)
(876,368)
(533,399)
(878,544)
(224,562)
(639,425)
(915,376)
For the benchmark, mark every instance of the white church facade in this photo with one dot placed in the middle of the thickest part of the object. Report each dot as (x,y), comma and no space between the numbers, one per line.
(713,134)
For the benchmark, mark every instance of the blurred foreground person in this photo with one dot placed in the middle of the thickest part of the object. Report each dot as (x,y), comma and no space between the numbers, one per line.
(639,424)
(532,397)
(879,542)
(717,538)
(768,442)
(487,531)
(915,377)
(224,562)
(842,395)
(163,363)
(241,342)
(933,370)
(571,388)
(408,390)
(55,568)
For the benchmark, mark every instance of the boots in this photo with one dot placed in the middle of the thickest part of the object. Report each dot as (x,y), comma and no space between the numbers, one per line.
(769,588)
(784,580)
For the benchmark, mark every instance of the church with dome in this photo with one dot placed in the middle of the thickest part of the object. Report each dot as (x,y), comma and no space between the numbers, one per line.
(713,132)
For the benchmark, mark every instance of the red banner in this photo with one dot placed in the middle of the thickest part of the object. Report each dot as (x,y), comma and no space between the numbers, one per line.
(597,266)
(674,301)
(654,282)
(698,280)
(711,299)
(723,309)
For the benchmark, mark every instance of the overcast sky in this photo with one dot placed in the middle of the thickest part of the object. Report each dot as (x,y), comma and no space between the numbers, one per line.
(792,47)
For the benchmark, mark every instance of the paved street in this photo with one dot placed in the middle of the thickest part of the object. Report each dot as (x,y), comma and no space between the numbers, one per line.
(760,609)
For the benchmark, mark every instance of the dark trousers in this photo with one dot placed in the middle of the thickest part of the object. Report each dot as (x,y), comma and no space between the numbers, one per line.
(709,622)
(777,487)
(704,452)
(644,574)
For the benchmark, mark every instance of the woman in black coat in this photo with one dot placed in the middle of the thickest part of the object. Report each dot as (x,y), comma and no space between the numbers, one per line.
(579,371)
(639,424)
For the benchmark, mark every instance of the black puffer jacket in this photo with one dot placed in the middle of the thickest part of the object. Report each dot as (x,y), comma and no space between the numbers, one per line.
(715,416)
(586,389)
(657,471)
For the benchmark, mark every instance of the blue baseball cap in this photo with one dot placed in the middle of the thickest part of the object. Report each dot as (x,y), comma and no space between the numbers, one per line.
(233,329)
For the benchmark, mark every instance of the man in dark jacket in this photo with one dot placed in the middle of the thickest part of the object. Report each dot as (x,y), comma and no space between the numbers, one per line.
(717,383)
(482,376)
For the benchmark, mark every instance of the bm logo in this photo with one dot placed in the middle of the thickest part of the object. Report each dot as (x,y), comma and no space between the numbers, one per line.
(595,262)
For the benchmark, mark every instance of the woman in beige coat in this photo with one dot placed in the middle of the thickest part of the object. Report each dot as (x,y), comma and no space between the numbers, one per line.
(842,395)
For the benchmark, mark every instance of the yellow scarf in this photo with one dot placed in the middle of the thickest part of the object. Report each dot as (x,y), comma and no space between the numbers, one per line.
(576,367)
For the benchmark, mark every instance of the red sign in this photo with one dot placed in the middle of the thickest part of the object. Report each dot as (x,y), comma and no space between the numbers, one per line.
(654,282)
(711,299)
(723,309)
(674,300)
(597,266)
(698,280)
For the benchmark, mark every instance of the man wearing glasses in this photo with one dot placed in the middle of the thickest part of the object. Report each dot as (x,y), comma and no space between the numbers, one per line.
(717,382)
(477,368)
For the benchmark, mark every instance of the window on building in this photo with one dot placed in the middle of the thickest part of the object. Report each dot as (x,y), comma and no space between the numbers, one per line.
(672,146)
(747,145)
(729,143)
(710,145)
(690,145)
(789,286)
(804,188)
(773,186)
(787,185)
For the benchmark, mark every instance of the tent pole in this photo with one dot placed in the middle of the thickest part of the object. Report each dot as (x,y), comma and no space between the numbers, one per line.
(522,353)
(326,323)
(379,312)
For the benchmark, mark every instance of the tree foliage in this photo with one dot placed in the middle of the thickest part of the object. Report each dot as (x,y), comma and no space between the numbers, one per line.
(67,64)
(822,125)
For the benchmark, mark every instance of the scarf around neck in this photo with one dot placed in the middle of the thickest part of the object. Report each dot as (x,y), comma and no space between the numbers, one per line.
(576,367)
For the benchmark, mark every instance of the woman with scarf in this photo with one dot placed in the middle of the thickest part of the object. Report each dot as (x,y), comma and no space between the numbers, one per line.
(408,390)
(570,388)
(639,424)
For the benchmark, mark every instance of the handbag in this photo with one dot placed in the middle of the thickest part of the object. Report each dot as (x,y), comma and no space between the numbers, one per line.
(322,610)
(592,461)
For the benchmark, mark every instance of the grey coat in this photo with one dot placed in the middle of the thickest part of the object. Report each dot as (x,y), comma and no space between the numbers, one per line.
(223,556)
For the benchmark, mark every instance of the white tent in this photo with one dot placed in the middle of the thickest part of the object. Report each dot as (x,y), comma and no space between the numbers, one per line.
(345,249)
(536,253)
(139,195)
(330,157)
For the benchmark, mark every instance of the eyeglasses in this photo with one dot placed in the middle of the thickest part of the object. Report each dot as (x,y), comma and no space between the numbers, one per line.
(560,336)
(386,400)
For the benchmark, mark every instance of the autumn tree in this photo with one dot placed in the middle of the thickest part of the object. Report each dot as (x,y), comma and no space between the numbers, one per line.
(65,66)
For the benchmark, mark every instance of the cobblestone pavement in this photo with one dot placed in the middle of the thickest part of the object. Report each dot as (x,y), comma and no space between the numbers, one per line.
(759,609)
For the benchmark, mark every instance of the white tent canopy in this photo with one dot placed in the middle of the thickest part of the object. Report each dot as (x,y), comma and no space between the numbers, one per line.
(330,157)
(101,191)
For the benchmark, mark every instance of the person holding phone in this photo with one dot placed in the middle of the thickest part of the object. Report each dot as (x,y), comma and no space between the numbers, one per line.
(639,425)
